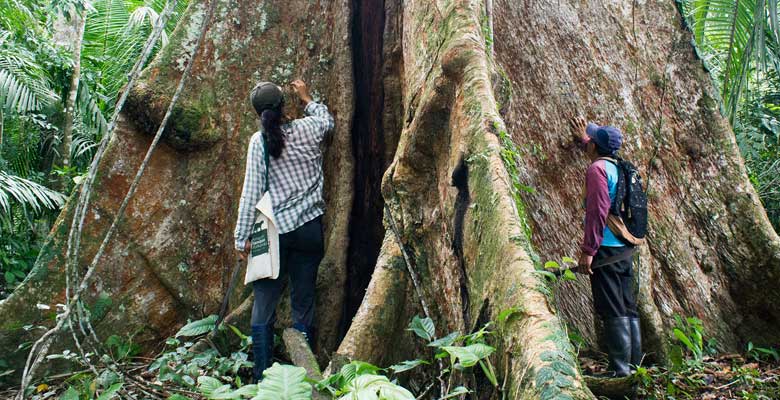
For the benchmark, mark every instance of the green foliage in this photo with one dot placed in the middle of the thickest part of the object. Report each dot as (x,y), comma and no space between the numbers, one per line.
(35,72)
(422,327)
(407,365)
(199,327)
(120,348)
(283,382)
(762,353)
(27,194)
(370,387)
(738,42)
(689,334)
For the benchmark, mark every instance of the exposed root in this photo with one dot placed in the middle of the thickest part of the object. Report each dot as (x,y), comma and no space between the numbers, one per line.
(380,314)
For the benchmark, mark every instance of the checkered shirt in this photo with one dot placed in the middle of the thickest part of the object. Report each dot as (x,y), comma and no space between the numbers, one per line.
(296,176)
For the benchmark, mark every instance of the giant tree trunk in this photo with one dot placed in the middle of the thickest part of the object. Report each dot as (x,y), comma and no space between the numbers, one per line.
(476,119)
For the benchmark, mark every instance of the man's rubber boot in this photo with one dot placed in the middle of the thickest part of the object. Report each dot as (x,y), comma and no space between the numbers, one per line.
(636,343)
(307,333)
(618,339)
(262,348)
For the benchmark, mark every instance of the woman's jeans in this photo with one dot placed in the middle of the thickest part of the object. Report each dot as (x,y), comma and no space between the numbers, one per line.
(300,254)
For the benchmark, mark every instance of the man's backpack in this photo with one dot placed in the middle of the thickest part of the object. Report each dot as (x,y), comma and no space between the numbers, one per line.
(627,217)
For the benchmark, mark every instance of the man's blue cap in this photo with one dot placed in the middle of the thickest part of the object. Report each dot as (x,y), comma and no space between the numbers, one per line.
(607,137)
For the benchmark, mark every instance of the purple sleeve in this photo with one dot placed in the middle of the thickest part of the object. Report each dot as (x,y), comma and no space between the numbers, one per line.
(596,207)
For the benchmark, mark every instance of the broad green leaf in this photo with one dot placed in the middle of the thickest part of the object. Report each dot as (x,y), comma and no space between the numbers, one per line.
(468,356)
(246,391)
(374,387)
(569,276)
(683,338)
(198,327)
(407,365)
(355,369)
(546,274)
(551,265)
(445,341)
(569,260)
(210,386)
(422,327)
(70,394)
(110,392)
(283,382)
(504,315)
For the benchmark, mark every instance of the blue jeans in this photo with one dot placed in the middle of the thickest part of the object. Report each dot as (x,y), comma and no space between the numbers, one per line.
(300,254)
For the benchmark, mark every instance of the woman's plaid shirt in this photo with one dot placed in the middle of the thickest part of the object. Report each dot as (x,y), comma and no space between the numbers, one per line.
(296,176)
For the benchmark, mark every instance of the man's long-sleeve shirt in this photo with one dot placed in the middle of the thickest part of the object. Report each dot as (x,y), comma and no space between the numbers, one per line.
(600,189)
(295,177)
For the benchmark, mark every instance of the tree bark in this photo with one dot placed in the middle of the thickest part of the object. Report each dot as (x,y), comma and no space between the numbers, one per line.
(79,22)
(484,183)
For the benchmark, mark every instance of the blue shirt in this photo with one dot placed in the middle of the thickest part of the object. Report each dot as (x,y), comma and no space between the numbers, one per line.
(612,179)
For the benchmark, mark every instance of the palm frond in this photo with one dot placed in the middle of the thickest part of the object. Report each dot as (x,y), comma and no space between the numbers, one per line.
(91,114)
(24,86)
(14,189)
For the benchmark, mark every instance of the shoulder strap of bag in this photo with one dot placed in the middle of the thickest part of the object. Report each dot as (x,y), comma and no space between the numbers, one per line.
(267,164)
(610,159)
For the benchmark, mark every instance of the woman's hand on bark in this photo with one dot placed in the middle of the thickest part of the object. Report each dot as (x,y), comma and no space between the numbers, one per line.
(300,88)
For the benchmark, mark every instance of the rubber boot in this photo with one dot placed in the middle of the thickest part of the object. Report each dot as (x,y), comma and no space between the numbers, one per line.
(307,333)
(618,339)
(262,348)
(636,343)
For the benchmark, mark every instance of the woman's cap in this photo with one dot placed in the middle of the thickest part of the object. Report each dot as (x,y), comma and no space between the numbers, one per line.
(266,95)
(607,137)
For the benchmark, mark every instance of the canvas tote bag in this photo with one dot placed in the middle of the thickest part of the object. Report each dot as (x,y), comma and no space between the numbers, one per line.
(264,256)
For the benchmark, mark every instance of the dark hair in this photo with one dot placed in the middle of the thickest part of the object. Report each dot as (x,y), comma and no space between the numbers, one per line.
(271,119)
(602,152)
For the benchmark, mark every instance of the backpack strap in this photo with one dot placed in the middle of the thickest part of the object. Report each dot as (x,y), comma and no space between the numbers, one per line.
(267,164)
(610,159)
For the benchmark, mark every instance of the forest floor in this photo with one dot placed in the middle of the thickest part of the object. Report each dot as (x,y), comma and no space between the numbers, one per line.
(726,376)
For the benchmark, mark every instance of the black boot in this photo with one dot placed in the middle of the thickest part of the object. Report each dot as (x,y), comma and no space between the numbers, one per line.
(262,348)
(636,343)
(307,333)
(617,333)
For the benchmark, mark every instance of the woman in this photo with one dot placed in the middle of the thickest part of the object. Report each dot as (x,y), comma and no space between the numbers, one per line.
(295,186)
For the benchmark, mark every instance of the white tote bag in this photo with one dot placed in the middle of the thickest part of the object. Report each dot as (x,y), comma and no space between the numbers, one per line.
(264,256)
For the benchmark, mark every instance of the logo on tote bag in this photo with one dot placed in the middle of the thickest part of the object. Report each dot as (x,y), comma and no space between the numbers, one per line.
(259,238)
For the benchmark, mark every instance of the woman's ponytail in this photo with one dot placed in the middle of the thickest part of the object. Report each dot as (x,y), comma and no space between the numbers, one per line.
(272,131)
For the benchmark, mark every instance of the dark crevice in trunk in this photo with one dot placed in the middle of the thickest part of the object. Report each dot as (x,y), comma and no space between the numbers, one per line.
(368,147)
(460,179)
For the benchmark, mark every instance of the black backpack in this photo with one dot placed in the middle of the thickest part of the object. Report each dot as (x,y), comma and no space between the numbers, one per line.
(630,202)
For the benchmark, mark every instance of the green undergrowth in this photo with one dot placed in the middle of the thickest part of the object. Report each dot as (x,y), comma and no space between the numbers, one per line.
(453,365)
(697,371)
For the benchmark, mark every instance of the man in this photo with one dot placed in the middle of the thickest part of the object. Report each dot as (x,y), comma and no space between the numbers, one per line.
(604,256)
